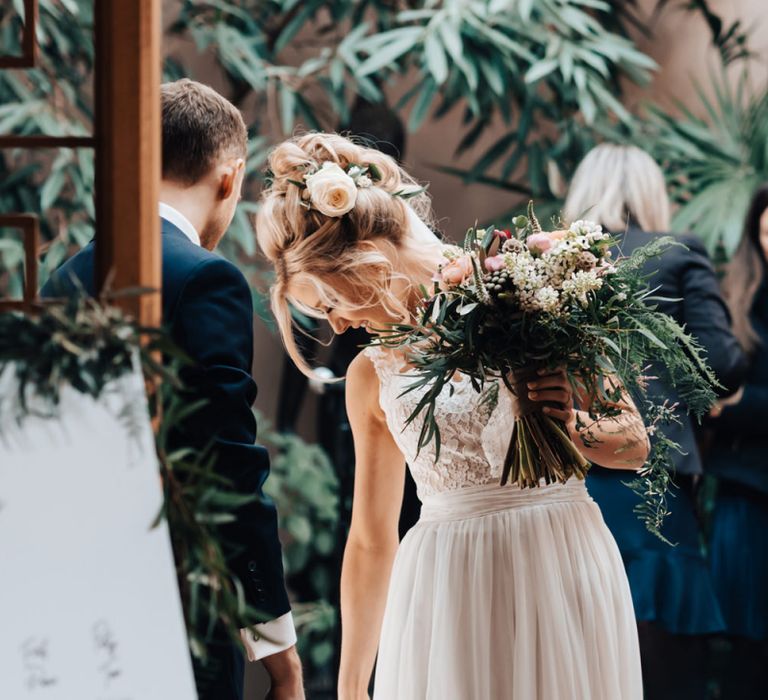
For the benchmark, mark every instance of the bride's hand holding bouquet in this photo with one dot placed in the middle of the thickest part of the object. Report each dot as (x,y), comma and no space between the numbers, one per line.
(513,306)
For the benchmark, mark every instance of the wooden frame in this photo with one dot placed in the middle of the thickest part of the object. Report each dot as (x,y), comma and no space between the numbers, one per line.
(29,225)
(47,141)
(28,58)
(128,150)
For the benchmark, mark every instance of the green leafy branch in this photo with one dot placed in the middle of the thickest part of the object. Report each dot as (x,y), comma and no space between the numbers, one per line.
(713,162)
(87,345)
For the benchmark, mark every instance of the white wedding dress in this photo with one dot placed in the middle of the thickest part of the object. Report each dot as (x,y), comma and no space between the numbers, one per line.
(498,593)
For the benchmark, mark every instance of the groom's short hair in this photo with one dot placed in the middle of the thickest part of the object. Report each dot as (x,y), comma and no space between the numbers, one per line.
(200,127)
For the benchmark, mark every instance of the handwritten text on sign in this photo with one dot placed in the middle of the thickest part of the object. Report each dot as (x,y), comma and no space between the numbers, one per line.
(89,606)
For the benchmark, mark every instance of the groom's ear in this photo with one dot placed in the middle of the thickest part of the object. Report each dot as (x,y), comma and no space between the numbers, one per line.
(229,179)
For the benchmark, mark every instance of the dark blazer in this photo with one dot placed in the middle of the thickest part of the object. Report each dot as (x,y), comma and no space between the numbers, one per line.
(207,308)
(686,274)
(740,448)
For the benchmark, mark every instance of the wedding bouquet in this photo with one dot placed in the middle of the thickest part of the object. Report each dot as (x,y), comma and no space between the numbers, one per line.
(511,302)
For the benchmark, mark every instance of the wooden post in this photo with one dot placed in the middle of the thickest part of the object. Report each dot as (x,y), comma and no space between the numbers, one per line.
(128,153)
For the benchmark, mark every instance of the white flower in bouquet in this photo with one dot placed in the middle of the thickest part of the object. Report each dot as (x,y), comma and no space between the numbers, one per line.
(589,229)
(451,252)
(547,299)
(581,283)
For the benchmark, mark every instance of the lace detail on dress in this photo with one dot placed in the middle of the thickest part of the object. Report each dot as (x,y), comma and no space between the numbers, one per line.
(463,416)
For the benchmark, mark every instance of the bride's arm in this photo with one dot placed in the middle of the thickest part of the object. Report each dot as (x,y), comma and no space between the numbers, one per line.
(373,535)
(615,441)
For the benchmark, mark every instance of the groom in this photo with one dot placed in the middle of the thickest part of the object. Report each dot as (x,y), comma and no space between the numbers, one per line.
(207,308)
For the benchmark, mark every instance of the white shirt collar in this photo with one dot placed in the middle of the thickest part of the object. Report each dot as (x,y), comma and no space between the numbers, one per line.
(181,222)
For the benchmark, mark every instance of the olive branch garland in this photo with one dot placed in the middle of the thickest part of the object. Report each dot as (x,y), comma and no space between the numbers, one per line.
(86,345)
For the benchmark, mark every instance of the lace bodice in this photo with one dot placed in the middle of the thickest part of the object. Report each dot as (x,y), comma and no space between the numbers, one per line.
(474,428)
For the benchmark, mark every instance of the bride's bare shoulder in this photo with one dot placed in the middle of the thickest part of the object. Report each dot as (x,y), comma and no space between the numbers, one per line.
(363,384)
(361,373)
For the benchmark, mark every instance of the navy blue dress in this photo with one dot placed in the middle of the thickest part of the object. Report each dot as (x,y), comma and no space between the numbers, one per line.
(739,459)
(671,586)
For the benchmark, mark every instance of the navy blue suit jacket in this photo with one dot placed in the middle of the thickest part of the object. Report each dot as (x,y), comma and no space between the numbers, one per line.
(207,308)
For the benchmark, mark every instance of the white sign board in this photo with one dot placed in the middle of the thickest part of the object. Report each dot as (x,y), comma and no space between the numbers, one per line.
(89,605)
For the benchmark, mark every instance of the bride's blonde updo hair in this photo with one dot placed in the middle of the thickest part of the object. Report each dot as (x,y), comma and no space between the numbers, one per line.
(343,258)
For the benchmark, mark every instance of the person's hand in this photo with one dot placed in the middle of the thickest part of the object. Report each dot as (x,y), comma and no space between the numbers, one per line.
(731,400)
(553,387)
(284,669)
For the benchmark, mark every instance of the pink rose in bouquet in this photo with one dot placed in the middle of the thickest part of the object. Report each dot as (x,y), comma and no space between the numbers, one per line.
(495,263)
(457,270)
(543,241)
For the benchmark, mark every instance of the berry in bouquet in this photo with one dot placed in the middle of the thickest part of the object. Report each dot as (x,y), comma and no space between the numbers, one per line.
(511,303)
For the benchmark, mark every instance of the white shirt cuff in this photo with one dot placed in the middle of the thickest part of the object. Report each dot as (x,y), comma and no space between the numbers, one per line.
(269,638)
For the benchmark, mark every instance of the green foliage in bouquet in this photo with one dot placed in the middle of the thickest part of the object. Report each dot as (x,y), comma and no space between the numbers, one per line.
(510,303)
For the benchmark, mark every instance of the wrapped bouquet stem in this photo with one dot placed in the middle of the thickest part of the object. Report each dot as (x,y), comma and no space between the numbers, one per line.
(509,302)
(540,447)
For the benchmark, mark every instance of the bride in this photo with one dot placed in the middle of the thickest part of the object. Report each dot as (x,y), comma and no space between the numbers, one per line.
(497,592)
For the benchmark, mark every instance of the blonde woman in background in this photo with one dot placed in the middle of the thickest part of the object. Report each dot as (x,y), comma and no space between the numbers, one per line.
(496,593)
(623,188)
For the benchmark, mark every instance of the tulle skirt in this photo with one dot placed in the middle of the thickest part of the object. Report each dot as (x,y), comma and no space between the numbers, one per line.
(500,593)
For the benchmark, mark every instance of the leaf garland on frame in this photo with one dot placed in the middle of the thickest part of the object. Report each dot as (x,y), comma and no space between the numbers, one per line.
(86,345)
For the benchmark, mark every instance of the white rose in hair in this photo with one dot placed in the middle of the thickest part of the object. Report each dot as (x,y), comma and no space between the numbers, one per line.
(331,191)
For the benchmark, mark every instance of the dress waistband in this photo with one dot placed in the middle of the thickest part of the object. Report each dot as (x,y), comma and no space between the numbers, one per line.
(474,501)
